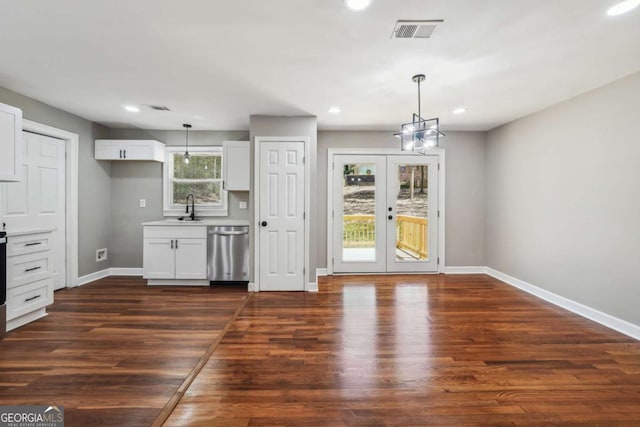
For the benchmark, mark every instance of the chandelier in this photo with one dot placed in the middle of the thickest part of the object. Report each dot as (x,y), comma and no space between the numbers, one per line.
(420,134)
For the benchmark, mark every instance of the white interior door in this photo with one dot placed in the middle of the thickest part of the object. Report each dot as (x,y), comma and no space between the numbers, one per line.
(281,216)
(38,201)
(412,221)
(359,221)
(385,213)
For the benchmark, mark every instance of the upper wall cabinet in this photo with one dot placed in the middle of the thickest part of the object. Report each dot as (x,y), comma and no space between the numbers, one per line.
(10,143)
(128,149)
(236,170)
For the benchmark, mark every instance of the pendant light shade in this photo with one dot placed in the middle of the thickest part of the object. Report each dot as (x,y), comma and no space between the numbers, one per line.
(420,134)
(186,152)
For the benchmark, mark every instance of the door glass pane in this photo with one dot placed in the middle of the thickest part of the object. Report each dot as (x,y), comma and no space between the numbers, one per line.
(359,210)
(412,213)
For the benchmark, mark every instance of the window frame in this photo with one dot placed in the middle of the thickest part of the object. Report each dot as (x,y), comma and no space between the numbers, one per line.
(169,209)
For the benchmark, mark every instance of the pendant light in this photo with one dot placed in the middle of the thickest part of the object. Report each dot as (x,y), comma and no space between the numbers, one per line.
(420,134)
(186,152)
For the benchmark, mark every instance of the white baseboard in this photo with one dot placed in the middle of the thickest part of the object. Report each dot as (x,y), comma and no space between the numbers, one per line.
(312,287)
(251,287)
(465,270)
(115,271)
(92,277)
(321,272)
(597,316)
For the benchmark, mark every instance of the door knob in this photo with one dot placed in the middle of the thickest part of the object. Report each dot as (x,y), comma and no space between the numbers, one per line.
(390,208)
(263,223)
(390,216)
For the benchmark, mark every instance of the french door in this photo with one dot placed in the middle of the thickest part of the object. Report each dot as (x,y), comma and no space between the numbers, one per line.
(385,216)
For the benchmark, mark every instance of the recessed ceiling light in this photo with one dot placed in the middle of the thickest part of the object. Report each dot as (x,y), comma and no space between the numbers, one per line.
(623,7)
(334,110)
(131,108)
(460,110)
(357,4)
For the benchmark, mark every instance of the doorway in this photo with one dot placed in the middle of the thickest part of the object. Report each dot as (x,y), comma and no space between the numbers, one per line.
(384,213)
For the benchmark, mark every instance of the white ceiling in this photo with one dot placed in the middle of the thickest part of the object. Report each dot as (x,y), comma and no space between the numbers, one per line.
(215,62)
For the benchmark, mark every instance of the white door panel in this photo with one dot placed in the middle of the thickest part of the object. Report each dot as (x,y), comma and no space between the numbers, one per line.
(38,201)
(359,214)
(412,197)
(281,214)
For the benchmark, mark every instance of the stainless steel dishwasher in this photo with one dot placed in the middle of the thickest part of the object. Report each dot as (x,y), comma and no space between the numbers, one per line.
(228,254)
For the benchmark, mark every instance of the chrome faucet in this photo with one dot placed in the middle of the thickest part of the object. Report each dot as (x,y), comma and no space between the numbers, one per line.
(193,207)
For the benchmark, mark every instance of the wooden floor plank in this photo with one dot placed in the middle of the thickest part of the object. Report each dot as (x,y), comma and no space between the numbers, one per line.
(413,350)
(115,351)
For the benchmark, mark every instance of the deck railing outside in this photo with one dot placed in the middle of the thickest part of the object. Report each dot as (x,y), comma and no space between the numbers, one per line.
(412,233)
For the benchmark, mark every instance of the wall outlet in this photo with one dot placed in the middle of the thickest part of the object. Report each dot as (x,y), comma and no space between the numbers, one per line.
(101,255)
(143,203)
(243,205)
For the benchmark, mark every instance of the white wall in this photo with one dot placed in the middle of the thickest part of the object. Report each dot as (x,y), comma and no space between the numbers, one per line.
(563,199)
(464,189)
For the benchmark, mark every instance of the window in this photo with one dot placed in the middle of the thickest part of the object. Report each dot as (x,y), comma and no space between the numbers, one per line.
(202,177)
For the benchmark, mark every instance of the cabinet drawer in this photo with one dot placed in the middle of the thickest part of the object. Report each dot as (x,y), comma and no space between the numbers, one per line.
(177,232)
(27,298)
(29,243)
(23,269)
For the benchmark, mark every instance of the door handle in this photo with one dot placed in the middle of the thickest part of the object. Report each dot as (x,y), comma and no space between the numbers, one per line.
(176,243)
(171,243)
(390,217)
(390,209)
(125,153)
(263,223)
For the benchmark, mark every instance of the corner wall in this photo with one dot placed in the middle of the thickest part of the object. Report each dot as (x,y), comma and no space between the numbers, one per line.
(563,202)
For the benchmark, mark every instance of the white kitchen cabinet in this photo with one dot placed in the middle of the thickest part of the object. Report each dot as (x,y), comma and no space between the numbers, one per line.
(127,149)
(175,255)
(29,277)
(10,143)
(235,156)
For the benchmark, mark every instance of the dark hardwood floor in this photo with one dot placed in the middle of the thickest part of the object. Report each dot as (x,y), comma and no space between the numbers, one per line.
(366,350)
(414,350)
(113,352)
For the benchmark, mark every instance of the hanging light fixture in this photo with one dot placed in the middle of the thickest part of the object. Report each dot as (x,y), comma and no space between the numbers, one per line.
(186,152)
(420,134)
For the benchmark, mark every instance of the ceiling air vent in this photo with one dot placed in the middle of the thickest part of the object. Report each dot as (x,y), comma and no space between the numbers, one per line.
(158,107)
(415,29)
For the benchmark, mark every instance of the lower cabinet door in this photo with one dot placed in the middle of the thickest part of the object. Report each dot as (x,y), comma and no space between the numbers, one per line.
(158,259)
(191,259)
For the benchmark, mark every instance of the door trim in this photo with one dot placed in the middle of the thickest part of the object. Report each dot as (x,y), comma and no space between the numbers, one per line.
(71,184)
(439,152)
(256,206)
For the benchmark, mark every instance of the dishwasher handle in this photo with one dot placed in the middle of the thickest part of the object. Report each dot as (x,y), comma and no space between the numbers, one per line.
(229,233)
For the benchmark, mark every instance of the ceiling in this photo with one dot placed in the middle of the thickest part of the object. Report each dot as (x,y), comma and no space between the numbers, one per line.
(216,62)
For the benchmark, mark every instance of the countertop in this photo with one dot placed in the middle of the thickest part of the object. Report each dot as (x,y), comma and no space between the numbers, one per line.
(204,222)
